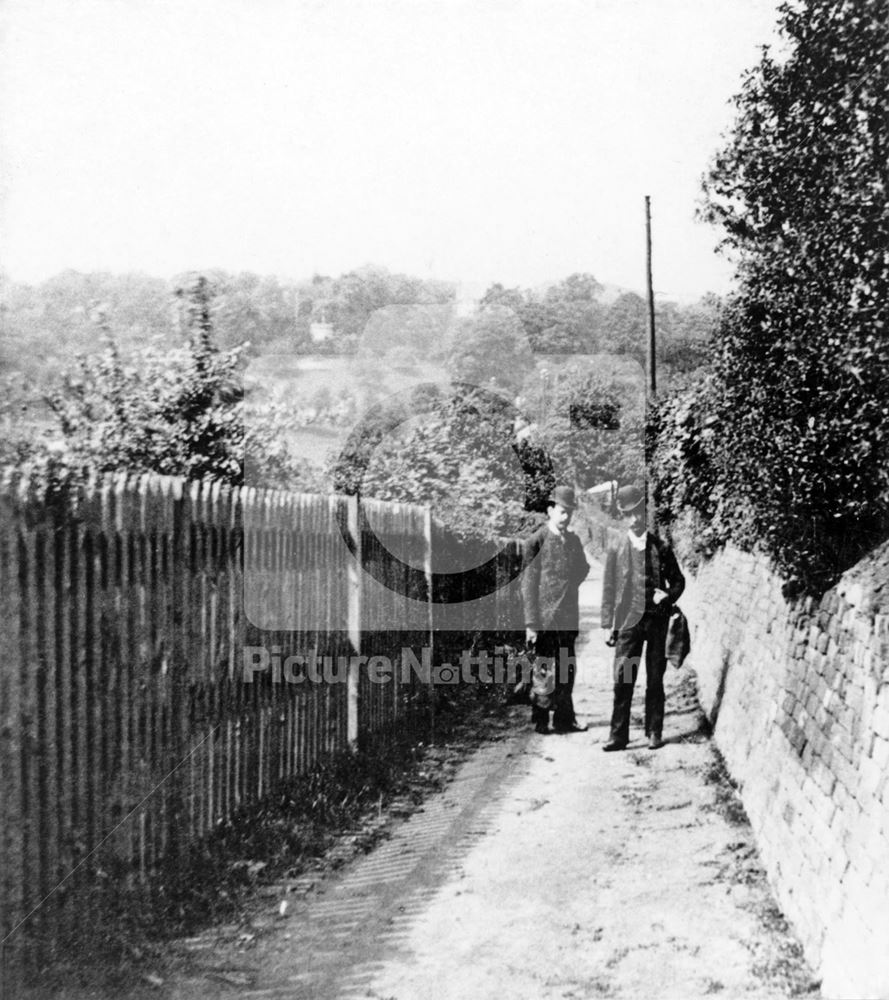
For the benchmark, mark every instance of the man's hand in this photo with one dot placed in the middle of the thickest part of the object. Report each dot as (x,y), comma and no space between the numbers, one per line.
(530,636)
(659,595)
(611,639)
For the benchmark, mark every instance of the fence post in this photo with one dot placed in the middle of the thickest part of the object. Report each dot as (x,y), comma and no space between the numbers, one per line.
(354,618)
(12,818)
(430,603)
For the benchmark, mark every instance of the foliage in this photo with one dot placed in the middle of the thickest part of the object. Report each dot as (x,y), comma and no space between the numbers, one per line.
(175,412)
(455,451)
(21,409)
(348,302)
(141,400)
(684,338)
(490,350)
(687,486)
(628,326)
(474,452)
(405,335)
(565,320)
(46,325)
(570,318)
(594,429)
(797,451)
(255,309)
(271,460)
(399,325)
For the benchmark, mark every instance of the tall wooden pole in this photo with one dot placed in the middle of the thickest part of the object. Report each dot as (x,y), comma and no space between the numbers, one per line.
(651,382)
(652,359)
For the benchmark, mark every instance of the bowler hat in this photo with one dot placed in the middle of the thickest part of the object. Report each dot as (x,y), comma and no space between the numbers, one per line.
(564,496)
(629,498)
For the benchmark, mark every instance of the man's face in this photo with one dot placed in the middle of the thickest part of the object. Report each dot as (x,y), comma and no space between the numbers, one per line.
(559,516)
(636,519)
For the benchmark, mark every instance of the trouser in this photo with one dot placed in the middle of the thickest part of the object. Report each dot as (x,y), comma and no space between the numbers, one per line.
(560,647)
(650,630)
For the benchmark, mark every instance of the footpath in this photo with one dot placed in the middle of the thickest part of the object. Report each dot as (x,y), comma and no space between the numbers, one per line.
(545,869)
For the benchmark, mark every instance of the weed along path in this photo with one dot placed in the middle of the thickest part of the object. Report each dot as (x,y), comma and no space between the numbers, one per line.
(544,869)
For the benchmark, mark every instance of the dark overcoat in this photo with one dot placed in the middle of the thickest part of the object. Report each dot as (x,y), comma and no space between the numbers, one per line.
(553,568)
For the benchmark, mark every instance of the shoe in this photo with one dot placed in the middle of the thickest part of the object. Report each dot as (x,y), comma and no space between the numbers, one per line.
(571,729)
(655,742)
(543,730)
(614,745)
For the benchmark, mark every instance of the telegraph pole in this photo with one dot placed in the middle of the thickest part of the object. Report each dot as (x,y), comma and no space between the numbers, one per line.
(651,381)
(652,359)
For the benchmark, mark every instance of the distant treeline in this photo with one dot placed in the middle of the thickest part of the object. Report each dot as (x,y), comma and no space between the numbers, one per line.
(107,372)
(45,325)
(68,313)
(576,316)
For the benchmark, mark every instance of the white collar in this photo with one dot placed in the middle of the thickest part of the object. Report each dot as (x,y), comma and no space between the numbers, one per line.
(555,531)
(637,541)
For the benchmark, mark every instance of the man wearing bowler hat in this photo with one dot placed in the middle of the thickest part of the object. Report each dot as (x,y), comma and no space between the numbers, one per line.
(554,566)
(642,581)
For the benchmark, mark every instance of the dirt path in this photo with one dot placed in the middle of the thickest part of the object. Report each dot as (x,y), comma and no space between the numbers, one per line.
(545,869)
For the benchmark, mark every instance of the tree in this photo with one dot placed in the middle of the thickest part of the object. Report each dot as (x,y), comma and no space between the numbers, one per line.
(800,463)
(491,350)
(178,412)
(565,321)
(174,413)
(455,451)
(625,326)
(594,428)
(497,295)
(406,335)
(356,296)
(46,325)
(684,338)
(259,310)
(576,288)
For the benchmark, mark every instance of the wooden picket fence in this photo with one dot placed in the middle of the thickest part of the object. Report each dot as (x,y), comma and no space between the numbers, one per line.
(130,611)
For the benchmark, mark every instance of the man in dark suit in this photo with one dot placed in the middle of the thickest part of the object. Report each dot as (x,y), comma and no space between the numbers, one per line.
(554,566)
(642,581)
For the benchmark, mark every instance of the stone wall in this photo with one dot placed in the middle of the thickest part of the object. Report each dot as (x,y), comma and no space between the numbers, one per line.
(799,695)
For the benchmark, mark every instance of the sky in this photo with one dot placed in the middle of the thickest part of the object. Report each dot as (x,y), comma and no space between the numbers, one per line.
(504,140)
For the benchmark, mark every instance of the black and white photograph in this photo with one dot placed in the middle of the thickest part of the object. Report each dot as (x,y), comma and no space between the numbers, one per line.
(444,499)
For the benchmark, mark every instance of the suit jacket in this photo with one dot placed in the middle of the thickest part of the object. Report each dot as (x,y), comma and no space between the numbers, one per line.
(617,591)
(553,569)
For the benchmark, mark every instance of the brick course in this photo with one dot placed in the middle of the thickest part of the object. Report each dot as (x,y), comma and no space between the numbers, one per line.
(803,724)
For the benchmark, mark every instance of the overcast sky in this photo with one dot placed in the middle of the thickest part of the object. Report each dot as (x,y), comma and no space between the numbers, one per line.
(474,141)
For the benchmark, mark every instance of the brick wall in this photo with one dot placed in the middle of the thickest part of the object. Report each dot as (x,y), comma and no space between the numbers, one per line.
(799,694)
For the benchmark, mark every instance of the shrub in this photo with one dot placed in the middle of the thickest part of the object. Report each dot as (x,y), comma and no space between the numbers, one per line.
(787,444)
(454,451)
(175,412)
